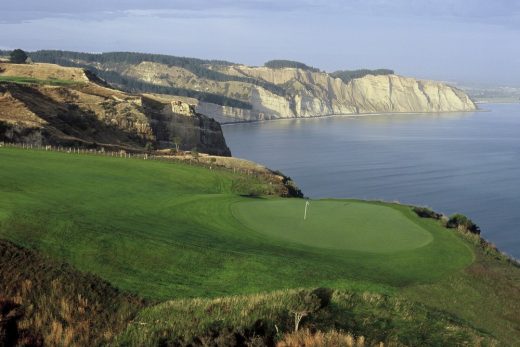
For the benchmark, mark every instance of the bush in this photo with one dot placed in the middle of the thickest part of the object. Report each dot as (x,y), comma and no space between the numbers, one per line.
(459,221)
(425,212)
(18,57)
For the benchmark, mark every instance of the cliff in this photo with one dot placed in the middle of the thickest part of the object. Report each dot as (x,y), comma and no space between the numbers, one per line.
(310,94)
(231,92)
(49,104)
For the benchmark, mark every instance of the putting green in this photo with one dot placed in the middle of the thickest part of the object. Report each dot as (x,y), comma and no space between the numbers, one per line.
(346,225)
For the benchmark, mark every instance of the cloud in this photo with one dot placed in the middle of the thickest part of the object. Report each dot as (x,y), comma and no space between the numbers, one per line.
(496,11)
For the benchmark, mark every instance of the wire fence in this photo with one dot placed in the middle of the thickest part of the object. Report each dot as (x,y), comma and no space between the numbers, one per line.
(207,162)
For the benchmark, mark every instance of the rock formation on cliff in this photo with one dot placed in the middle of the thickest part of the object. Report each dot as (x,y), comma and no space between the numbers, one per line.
(50,104)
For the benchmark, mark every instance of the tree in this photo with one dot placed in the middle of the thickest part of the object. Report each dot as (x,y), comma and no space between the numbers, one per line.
(177,142)
(149,147)
(18,56)
(305,303)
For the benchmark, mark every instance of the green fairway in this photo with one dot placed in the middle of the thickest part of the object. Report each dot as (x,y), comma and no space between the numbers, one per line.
(335,224)
(170,230)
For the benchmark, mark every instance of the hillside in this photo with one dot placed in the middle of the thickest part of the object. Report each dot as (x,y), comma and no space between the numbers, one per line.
(219,256)
(47,104)
(233,92)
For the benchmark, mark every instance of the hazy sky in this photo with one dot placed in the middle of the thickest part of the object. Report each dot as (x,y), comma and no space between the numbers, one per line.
(470,41)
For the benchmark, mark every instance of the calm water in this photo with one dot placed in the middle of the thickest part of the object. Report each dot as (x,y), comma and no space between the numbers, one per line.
(467,162)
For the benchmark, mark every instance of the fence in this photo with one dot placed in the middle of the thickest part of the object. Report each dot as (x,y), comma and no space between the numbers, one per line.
(192,161)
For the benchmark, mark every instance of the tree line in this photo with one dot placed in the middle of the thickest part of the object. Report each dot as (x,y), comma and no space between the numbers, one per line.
(280,64)
(199,67)
(348,75)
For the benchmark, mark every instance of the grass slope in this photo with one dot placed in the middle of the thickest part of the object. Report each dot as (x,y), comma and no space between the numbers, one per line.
(166,230)
(172,231)
(60,305)
(379,318)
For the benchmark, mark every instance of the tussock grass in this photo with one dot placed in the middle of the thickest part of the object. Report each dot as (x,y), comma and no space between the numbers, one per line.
(60,306)
(369,318)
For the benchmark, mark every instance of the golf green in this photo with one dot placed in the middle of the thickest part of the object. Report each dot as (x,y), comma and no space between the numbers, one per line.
(333,224)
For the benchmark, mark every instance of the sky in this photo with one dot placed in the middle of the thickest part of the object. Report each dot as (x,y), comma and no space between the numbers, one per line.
(462,41)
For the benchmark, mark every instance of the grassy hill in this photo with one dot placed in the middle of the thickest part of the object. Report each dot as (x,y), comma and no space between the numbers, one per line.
(170,231)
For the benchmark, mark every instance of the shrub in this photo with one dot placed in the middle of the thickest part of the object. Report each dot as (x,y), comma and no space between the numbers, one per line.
(425,212)
(459,221)
(303,305)
(18,57)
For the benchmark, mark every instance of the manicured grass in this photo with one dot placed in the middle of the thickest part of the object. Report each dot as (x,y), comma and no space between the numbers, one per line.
(30,80)
(336,224)
(167,230)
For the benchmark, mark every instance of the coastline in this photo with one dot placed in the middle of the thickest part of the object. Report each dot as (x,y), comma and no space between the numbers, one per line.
(352,115)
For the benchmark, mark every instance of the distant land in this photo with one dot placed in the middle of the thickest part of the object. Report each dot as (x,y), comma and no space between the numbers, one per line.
(47,104)
(230,92)
(493,94)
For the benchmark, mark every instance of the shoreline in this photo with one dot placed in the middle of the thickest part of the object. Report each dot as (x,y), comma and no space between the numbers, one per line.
(351,115)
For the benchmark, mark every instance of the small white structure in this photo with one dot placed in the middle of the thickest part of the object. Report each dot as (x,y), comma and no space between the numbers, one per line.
(307,203)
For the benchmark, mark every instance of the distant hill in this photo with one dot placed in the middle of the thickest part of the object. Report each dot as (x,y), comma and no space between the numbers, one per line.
(232,92)
(50,104)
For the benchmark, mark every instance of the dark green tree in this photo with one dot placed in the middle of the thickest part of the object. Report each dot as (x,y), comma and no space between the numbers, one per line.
(18,56)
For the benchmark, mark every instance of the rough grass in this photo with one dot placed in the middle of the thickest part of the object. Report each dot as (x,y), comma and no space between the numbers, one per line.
(378,318)
(487,293)
(165,230)
(60,305)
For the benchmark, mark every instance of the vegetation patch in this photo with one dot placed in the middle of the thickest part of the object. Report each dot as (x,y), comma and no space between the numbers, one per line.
(47,302)
(348,75)
(280,64)
(29,80)
(371,318)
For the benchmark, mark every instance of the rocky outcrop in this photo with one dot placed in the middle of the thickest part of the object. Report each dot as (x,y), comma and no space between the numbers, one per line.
(84,113)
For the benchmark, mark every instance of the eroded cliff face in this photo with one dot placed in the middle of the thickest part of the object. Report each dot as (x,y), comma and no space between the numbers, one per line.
(306,93)
(84,113)
(315,93)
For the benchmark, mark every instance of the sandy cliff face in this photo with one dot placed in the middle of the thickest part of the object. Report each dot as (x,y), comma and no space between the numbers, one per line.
(84,113)
(314,94)
(308,94)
